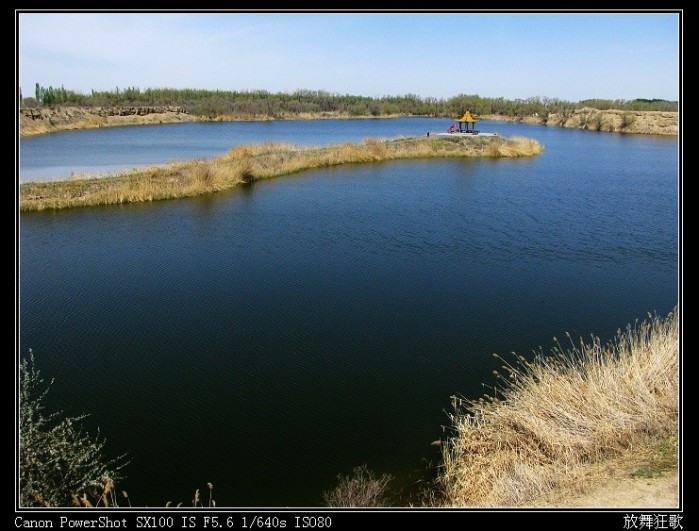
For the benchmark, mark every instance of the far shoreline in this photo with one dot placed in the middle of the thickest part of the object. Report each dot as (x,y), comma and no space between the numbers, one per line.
(37,121)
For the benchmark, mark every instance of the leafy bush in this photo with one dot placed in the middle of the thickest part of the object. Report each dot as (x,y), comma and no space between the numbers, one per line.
(59,464)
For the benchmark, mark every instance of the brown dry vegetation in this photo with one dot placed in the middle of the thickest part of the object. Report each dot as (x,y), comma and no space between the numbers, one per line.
(248,163)
(562,415)
(360,489)
(641,477)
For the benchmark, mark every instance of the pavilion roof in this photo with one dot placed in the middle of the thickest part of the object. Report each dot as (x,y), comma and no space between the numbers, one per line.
(467,117)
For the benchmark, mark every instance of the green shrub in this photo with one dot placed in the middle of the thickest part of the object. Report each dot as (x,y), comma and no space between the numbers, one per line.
(59,464)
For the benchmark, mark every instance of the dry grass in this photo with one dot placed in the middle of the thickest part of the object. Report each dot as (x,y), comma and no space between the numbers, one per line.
(248,163)
(108,497)
(560,413)
(517,146)
(361,489)
(618,481)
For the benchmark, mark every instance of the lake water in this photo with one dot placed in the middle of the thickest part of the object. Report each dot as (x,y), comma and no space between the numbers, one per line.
(268,338)
(62,155)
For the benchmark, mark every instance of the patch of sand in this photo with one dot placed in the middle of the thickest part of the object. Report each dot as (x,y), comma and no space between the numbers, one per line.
(641,493)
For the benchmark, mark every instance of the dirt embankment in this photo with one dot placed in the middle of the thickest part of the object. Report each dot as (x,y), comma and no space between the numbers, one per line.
(634,122)
(49,120)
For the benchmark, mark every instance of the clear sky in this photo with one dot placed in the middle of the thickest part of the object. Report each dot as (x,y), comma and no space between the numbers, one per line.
(562,55)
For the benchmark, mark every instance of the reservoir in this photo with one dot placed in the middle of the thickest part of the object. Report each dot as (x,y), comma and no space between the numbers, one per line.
(268,338)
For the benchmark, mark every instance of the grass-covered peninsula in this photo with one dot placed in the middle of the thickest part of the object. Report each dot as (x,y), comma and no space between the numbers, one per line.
(249,163)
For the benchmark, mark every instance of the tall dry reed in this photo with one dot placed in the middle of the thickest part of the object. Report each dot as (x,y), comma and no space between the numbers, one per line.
(556,414)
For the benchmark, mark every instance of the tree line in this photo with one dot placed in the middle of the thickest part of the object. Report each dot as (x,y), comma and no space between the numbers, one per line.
(258,103)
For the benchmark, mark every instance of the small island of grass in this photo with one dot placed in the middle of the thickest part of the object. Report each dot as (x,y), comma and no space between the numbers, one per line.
(248,163)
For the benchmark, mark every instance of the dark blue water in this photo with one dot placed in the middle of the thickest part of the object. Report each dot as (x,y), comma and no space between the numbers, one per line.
(268,338)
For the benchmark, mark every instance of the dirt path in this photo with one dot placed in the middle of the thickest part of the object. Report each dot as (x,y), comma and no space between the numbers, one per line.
(617,490)
(642,493)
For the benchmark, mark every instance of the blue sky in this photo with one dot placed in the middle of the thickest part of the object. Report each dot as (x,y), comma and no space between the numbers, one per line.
(562,55)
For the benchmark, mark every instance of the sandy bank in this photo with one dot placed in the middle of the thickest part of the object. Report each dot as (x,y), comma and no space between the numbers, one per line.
(632,122)
(48,120)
